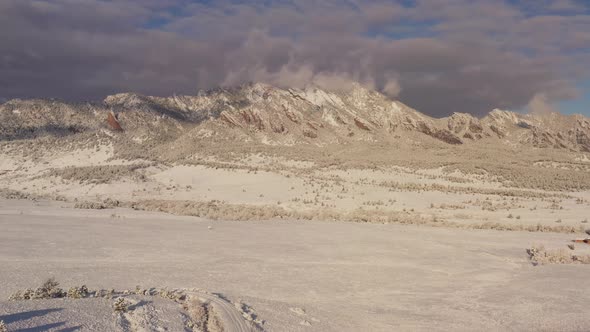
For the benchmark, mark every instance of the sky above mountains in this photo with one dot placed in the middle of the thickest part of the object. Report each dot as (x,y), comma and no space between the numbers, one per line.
(438,56)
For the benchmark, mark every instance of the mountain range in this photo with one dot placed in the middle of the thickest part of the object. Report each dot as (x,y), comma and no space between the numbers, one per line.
(264,114)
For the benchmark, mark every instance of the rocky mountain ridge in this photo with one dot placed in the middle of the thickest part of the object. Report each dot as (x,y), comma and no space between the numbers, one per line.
(265,114)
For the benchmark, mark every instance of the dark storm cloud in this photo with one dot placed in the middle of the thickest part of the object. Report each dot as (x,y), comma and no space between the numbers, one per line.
(437,56)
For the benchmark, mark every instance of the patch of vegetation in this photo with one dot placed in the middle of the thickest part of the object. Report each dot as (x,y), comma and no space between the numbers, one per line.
(120,305)
(101,174)
(220,210)
(540,256)
(48,290)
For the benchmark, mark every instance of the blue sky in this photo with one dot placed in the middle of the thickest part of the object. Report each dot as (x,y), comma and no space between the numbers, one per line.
(438,56)
(579,105)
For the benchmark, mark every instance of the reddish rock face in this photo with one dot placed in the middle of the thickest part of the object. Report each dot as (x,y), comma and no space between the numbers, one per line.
(113,123)
(361,124)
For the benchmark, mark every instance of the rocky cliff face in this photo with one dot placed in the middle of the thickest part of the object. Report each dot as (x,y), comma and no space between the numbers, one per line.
(265,114)
(551,130)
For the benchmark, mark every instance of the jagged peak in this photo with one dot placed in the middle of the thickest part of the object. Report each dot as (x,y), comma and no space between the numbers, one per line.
(500,112)
(503,115)
(250,87)
(318,96)
(466,116)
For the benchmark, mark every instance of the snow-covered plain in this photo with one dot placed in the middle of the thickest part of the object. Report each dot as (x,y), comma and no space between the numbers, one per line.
(296,276)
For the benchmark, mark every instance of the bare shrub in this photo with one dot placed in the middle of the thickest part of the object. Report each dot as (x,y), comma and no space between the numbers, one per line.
(198,314)
(540,256)
(120,305)
(90,205)
(214,323)
(172,295)
(49,290)
(78,292)
(469,190)
(15,194)
(108,203)
(3,327)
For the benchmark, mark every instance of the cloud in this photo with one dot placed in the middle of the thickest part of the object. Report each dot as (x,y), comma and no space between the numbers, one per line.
(539,104)
(437,56)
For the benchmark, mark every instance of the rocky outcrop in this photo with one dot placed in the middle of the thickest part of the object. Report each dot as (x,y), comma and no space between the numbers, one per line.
(549,130)
(113,122)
